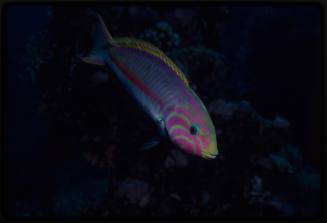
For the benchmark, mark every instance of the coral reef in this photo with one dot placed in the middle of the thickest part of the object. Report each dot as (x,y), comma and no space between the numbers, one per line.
(75,199)
(161,35)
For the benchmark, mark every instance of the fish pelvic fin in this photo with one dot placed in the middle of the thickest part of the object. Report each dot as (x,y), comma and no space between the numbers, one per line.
(147,47)
(151,143)
(101,39)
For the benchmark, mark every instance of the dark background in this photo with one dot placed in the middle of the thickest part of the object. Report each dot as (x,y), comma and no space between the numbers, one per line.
(272,54)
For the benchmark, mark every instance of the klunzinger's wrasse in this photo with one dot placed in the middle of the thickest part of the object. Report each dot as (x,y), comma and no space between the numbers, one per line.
(159,87)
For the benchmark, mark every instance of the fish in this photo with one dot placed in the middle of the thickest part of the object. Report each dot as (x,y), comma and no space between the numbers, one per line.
(158,86)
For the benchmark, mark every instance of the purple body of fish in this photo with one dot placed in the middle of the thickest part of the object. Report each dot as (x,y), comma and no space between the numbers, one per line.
(157,85)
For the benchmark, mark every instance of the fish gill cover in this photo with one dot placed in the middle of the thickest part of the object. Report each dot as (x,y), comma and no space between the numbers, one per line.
(82,138)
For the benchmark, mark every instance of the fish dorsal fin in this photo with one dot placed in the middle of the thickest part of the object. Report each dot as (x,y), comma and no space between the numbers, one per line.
(149,48)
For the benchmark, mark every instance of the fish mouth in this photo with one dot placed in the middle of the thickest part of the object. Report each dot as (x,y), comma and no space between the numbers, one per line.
(209,156)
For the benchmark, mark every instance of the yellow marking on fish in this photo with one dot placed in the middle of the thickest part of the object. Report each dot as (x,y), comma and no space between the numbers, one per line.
(211,147)
(177,127)
(148,47)
(175,114)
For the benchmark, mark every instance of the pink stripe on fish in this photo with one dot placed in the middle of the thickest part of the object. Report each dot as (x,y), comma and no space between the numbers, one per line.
(198,149)
(137,82)
(200,143)
(176,121)
(186,140)
(178,109)
(178,132)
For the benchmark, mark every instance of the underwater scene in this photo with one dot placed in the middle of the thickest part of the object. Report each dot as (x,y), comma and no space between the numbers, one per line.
(162,110)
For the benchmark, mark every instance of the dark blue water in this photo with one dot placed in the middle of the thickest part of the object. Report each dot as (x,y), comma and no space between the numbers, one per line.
(284,65)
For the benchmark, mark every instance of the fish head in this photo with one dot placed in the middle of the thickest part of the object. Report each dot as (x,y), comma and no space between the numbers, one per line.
(192,130)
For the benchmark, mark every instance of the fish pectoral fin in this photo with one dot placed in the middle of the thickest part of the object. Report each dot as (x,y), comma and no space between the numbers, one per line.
(93,59)
(150,144)
(162,127)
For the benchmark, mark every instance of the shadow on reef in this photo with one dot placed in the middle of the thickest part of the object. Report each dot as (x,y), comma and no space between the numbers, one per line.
(258,172)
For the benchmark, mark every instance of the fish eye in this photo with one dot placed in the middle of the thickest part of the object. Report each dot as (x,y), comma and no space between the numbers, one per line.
(194,129)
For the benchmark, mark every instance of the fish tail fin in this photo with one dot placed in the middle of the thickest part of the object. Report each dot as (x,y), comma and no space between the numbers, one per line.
(101,35)
(101,38)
